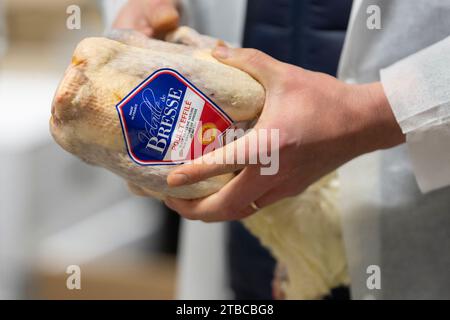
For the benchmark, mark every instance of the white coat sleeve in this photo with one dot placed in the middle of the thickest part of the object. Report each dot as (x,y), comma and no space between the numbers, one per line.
(418,90)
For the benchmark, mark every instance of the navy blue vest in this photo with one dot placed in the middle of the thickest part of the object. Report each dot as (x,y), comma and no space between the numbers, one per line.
(309,34)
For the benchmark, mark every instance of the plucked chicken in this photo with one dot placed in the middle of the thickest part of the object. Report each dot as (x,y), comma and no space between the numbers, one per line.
(302,232)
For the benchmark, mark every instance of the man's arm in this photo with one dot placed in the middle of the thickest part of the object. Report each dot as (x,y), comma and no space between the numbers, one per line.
(322,122)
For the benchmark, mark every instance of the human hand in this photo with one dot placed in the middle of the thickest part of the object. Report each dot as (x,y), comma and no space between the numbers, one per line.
(151,17)
(322,124)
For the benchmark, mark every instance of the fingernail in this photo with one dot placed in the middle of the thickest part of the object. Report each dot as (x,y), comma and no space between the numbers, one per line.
(178,179)
(165,12)
(221,52)
(165,17)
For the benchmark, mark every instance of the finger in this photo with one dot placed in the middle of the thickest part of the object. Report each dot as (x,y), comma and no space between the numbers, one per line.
(256,63)
(147,31)
(277,194)
(190,209)
(131,16)
(162,15)
(230,203)
(127,20)
(230,158)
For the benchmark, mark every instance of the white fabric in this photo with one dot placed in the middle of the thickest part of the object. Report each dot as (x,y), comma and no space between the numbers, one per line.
(419,93)
(429,148)
(426,72)
(406,29)
(202,267)
(387,220)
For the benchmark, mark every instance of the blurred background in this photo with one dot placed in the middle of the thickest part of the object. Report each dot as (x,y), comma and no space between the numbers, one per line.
(56,211)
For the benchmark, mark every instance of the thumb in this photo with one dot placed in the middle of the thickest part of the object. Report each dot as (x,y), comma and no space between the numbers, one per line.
(259,65)
(163,15)
(227,159)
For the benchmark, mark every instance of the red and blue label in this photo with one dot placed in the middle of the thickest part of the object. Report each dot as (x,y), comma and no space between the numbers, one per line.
(167,120)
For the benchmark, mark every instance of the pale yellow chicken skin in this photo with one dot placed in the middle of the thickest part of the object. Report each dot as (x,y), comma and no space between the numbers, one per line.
(302,232)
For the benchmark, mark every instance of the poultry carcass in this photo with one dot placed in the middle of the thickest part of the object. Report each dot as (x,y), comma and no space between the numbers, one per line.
(303,232)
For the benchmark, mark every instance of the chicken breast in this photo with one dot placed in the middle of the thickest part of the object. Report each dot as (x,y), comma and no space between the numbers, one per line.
(84,118)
